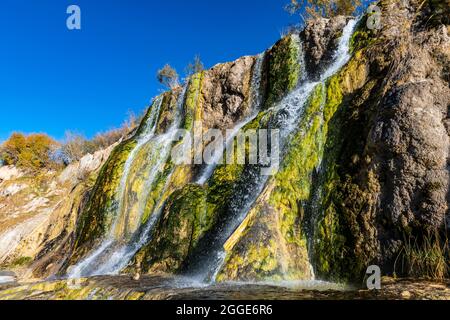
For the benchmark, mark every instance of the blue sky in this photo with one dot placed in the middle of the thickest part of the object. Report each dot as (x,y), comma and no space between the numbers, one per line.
(53,79)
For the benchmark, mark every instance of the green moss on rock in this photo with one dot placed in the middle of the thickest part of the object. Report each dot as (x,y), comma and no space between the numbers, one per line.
(192,104)
(99,212)
(363,37)
(344,241)
(273,228)
(279,215)
(226,177)
(19,262)
(305,151)
(168,110)
(98,215)
(283,68)
(184,220)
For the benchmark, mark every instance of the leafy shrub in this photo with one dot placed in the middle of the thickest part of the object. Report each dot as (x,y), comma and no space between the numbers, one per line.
(168,76)
(30,152)
(38,151)
(322,8)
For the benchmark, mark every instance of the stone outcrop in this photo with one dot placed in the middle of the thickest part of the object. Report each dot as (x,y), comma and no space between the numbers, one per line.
(39,215)
(225,93)
(320,39)
(387,182)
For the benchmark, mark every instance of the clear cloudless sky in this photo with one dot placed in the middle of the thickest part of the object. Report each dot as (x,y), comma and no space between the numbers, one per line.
(53,79)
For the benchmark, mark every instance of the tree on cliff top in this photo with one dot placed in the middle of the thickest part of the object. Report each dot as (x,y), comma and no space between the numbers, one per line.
(322,8)
(195,66)
(30,152)
(168,76)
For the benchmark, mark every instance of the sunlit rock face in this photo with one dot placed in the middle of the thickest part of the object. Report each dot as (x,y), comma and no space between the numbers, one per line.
(385,188)
(364,139)
(38,214)
(225,93)
(321,40)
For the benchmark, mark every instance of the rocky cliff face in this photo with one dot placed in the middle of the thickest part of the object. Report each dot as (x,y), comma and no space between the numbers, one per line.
(386,190)
(38,213)
(364,177)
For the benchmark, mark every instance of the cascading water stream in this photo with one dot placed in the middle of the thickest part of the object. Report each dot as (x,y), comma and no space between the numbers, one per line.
(288,114)
(255,101)
(217,157)
(256,96)
(117,250)
(142,140)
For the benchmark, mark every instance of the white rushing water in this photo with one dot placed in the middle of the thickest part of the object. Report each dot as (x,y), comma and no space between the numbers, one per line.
(121,255)
(255,101)
(147,134)
(289,112)
(256,92)
(114,253)
(7,279)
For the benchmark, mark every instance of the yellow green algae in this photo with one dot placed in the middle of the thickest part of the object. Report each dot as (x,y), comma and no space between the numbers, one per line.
(363,37)
(283,66)
(188,214)
(183,221)
(98,215)
(273,227)
(339,250)
(130,218)
(167,111)
(80,289)
(283,69)
(180,174)
(165,196)
(343,242)
(96,218)
(192,104)
(226,177)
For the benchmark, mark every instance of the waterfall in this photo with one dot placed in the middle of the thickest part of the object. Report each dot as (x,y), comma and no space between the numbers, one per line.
(143,139)
(151,152)
(118,248)
(255,104)
(301,57)
(288,113)
(255,95)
